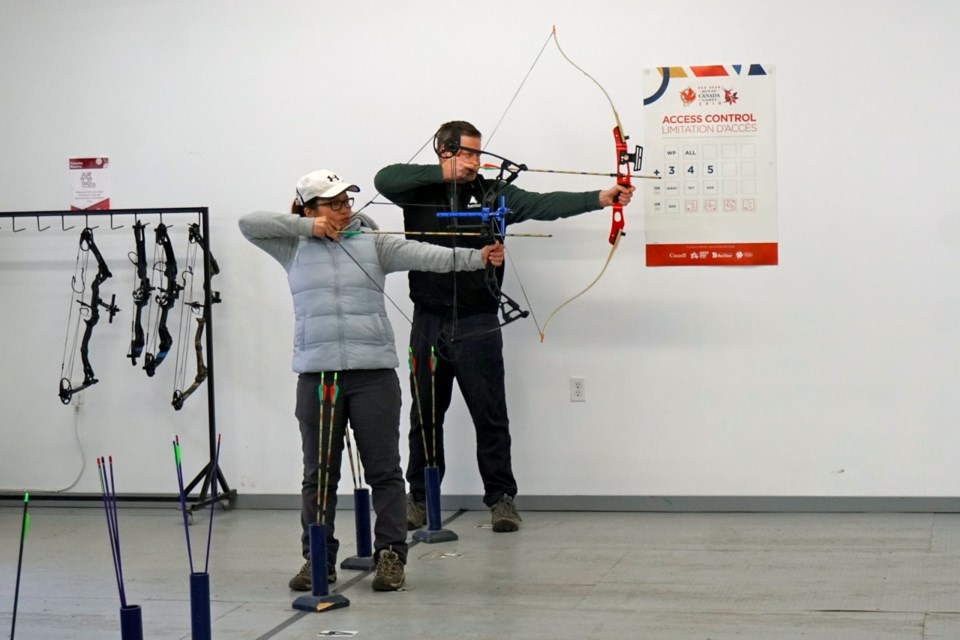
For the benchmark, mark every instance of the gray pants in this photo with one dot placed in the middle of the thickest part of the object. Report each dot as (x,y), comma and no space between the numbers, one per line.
(370,401)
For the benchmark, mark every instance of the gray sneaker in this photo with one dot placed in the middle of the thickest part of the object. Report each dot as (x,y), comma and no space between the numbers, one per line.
(389,576)
(416,513)
(504,515)
(303,582)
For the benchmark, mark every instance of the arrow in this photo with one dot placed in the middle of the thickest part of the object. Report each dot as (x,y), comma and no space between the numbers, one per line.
(442,233)
(23,537)
(493,167)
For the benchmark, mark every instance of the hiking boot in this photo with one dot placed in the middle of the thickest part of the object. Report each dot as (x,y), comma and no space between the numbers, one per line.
(303,582)
(416,513)
(389,575)
(504,515)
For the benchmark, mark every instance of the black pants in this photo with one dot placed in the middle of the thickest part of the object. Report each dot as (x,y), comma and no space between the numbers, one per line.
(476,362)
(370,401)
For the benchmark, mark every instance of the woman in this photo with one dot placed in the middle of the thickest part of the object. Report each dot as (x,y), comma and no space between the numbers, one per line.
(336,270)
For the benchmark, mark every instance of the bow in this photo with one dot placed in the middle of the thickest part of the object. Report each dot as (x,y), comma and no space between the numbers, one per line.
(141,293)
(197,243)
(625,161)
(167,297)
(92,311)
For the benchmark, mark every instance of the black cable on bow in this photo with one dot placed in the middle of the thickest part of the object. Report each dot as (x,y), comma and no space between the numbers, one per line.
(197,243)
(167,297)
(141,292)
(89,309)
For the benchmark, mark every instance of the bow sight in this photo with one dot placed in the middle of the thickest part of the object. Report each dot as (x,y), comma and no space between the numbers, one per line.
(491,226)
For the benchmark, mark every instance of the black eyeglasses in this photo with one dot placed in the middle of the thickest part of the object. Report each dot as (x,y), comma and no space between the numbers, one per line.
(336,205)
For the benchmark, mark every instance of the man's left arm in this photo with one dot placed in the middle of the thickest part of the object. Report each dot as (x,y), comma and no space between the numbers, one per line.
(528,205)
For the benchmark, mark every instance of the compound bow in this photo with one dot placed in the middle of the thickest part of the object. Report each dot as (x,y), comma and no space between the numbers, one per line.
(92,311)
(196,243)
(165,300)
(141,293)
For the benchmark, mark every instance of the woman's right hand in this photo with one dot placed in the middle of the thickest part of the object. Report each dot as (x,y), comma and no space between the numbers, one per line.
(492,254)
(324,228)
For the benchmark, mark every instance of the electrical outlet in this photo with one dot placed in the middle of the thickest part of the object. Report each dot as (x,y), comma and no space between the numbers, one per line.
(578,389)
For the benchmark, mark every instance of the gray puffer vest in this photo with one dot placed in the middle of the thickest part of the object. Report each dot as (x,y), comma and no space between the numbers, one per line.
(341,320)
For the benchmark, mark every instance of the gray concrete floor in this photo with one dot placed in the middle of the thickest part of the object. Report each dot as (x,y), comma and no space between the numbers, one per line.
(579,575)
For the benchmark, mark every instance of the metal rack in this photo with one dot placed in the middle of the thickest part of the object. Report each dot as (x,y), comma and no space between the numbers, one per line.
(211,472)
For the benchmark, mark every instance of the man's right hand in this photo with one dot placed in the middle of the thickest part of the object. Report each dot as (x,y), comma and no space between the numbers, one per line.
(459,170)
(462,167)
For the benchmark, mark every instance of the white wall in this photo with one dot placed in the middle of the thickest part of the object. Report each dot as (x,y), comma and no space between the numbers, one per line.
(831,374)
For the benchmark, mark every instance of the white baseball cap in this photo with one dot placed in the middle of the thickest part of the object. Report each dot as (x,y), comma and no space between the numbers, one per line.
(321,184)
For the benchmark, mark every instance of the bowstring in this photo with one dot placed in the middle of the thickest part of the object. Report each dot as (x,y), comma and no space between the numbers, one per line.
(517,92)
(377,193)
(489,138)
(616,241)
(183,324)
(454,338)
(375,283)
(616,116)
(606,264)
(68,365)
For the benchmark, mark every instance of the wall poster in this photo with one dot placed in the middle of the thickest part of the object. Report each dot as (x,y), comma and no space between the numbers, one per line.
(710,134)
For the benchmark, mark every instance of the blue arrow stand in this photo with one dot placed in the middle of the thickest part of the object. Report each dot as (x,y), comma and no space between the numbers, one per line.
(363,561)
(434,531)
(320,598)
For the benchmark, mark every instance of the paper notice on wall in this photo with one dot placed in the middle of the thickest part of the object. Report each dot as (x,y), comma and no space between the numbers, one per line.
(710,133)
(89,183)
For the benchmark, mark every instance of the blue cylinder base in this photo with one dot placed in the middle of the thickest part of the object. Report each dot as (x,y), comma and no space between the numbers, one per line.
(431,477)
(361,510)
(200,626)
(320,599)
(318,560)
(131,622)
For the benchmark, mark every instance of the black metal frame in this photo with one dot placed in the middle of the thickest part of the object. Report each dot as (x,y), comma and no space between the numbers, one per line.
(211,471)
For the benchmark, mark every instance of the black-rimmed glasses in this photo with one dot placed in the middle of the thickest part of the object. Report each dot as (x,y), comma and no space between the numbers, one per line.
(336,205)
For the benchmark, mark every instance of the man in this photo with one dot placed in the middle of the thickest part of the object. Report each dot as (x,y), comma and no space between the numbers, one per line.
(457,316)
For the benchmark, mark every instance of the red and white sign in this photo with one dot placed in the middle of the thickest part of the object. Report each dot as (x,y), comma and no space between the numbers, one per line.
(711,138)
(89,183)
